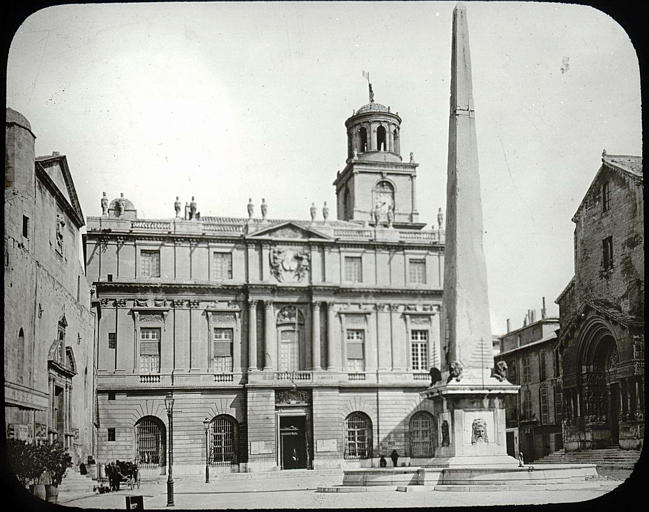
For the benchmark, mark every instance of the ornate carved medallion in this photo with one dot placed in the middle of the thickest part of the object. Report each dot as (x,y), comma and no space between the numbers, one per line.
(289,265)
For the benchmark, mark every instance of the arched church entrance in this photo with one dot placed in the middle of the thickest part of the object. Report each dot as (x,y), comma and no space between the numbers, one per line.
(601,389)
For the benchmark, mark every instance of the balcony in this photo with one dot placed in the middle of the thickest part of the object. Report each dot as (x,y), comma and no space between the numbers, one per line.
(356,376)
(268,378)
(122,380)
(149,379)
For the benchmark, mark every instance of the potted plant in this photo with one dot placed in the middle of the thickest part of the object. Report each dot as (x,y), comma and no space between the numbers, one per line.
(57,462)
(27,462)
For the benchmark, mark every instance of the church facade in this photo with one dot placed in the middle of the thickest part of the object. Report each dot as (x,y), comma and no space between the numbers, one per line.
(285,343)
(48,324)
(601,341)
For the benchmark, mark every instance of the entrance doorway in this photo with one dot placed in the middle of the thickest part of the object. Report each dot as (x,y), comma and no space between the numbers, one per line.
(292,438)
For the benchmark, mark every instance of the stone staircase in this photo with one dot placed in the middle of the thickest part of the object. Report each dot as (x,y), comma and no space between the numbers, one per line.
(75,485)
(614,463)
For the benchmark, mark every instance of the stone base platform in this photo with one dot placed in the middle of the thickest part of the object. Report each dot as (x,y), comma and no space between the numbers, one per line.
(496,475)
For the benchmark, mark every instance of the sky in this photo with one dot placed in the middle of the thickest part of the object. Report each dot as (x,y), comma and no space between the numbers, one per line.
(226,101)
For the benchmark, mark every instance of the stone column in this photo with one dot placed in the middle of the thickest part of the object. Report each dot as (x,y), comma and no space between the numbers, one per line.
(270,336)
(252,335)
(333,344)
(315,336)
(395,337)
(383,334)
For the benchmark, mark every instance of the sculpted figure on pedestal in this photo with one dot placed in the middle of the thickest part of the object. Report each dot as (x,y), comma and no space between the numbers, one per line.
(264,208)
(104,204)
(177,207)
(455,372)
(500,371)
(390,215)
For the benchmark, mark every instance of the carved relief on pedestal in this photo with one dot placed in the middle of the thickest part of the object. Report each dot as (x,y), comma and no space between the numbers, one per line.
(288,264)
(479,431)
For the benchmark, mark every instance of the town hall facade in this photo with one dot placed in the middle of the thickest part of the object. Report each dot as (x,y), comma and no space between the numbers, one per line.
(297,343)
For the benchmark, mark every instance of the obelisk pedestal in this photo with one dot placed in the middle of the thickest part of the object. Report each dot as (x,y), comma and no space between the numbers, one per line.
(469,400)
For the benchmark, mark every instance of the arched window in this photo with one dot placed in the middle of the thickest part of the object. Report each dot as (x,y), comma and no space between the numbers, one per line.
(223,440)
(422,435)
(396,143)
(358,436)
(363,137)
(150,441)
(380,139)
(290,333)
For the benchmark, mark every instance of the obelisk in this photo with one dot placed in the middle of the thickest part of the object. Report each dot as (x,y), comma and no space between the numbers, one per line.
(465,302)
(469,400)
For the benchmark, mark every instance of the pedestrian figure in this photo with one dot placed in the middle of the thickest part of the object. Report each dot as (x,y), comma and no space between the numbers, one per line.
(382,462)
(82,469)
(395,457)
(520,459)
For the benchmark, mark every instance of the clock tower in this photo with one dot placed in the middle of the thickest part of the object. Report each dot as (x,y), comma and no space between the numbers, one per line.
(376,186)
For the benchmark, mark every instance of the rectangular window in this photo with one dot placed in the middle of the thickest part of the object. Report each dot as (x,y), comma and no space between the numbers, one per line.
(353,269)
(355,349)
(289,353)
(112,340)
(558,405)
(542,367)
(543,401)
(222,266)
(150,263)
(526,369)
(149,350)
(222,350)
(111,395)
(111,434)
(607,253)
(527,405)
(25,226)
(60,225)
(512,373)
(606,196)
(419,349)
(417,271)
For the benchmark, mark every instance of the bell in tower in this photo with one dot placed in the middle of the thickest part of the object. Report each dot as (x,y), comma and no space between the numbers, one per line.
(375,180)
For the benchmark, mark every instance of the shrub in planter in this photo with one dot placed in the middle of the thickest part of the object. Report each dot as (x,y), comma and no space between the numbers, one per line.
(24,461)
(57,461)
(38,465)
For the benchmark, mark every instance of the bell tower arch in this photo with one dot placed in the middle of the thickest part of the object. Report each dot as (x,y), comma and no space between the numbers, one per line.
(375,178)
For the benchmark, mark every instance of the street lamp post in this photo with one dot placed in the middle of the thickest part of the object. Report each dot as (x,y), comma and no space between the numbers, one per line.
(169,405)
(206,424)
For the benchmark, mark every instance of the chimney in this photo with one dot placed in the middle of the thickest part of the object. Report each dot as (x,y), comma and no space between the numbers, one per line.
(543,309)
(532,314)
(508,325)
(55,153)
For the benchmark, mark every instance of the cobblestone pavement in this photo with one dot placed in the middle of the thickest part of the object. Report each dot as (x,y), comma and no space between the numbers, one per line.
(218,496)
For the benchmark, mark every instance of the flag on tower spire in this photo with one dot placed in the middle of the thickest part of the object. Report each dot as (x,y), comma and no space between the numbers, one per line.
(366,75)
